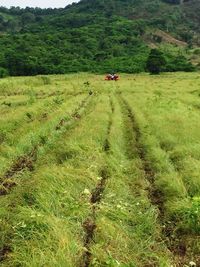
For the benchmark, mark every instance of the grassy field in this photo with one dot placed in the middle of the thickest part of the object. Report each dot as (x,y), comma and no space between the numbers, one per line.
(97,173)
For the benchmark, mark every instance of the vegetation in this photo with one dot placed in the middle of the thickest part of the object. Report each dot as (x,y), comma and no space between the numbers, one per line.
(97,36)
(97,173)
(155,62)
(158,62)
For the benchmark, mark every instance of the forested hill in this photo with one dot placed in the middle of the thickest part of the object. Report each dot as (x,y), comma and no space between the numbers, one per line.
(99,35)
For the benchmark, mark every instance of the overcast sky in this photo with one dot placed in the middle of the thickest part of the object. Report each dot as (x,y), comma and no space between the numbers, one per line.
(37,3)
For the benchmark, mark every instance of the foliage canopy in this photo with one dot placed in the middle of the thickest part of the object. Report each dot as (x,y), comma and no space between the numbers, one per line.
(95,35)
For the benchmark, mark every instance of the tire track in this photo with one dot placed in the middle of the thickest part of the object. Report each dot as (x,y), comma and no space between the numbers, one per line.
(89,224)
(22,163)
(106,146)
(155,195)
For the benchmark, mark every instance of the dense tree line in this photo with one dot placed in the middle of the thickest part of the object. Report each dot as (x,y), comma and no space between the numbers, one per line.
(96,35)
(158,62)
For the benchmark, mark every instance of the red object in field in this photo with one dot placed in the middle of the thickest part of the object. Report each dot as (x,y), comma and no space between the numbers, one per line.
(112,77)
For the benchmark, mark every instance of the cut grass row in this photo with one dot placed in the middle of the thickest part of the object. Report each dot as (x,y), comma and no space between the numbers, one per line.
(18,124)
(43,86)
(21,162)
(49,216)
(42,133)
(61,175)
(170,138)
(126,221)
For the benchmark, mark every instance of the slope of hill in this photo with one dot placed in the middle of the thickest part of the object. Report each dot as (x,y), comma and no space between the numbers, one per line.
(94,35)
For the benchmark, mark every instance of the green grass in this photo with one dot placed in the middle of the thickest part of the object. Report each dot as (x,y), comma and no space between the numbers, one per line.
(142,131)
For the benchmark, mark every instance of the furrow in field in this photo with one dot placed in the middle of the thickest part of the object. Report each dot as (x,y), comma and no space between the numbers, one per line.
(155,194)
(27,161)
(89,224)
(22,163)
(107,142)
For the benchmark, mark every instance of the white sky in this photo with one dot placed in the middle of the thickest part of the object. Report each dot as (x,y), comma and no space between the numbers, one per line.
(37,3)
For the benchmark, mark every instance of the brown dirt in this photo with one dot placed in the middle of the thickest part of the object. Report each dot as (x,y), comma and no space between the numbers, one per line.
(169,39)
(4,252)
(89,225)
(22,163)
(106,145)
(98,191)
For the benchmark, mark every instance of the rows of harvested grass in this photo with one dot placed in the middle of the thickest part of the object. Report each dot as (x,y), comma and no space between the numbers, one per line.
(52,203)
(44,86)
(44,219)
(38,132)
(170,136)
(20,123)
(128,233)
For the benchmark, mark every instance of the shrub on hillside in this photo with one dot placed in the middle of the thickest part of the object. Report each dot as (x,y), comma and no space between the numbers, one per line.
(178,63)
(3,72)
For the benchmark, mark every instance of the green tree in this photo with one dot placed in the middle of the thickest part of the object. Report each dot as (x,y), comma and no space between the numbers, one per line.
(27,18)
(155,62)
(1,19)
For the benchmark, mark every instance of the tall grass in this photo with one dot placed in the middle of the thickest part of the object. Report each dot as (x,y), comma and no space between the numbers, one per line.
(44,215)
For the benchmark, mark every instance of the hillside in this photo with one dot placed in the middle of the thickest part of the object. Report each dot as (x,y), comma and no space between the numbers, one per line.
(98,35)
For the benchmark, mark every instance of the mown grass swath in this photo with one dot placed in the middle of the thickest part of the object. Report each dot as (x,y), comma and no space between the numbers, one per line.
(109,178)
